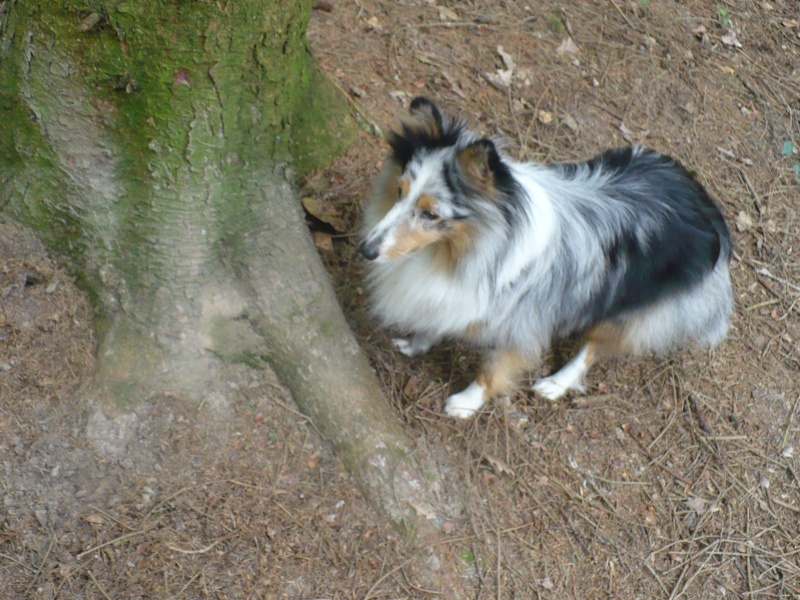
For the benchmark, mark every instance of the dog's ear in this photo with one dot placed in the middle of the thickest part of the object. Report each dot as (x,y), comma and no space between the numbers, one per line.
(480,163)
(427,114)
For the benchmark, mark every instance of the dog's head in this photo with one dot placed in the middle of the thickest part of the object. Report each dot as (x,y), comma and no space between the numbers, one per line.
(429,190)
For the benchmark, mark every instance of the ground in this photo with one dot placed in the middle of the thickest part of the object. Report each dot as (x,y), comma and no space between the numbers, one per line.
(669,479)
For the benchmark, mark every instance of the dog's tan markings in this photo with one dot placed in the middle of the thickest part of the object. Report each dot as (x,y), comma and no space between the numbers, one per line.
(499,372)
(408,239)
(474,163)
(403,186)
(427,202)
(604,340)
(456,241)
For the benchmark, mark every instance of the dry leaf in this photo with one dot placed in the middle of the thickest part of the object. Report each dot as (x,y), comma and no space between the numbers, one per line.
(501,80)
(424,511)
(545,117)
(445,14)
(95,519)
(697,504)
(570,122)
(791,23)
(325,212)
(546,583)
(508,61)
(730,40)
(410,389)
(374,24)
(567,47)
(323,241)
(498,465)
(743,221)
(626,133)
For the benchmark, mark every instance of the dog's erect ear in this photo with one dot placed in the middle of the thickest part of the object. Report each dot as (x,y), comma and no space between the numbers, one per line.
(480,163)
(427,114)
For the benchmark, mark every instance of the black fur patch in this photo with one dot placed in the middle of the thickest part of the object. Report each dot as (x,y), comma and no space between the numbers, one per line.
(410,140)
(678,252)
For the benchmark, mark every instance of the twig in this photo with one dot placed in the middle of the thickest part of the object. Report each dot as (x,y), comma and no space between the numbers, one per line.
(789,284)
(785,439)
(41,566)
(99,587)
(14,560)
(201,551)
(756,199)
(108,543)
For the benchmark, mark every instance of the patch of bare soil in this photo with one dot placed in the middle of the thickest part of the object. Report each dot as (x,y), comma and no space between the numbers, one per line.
(670,479)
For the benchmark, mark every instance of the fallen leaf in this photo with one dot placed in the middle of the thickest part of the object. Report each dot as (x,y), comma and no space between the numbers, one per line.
(546,583)
(445,14)
(501,80)
(424,511)
(498,465)
(374,24)
(791,23)
(410,389)
(743,221)
(325,212)
(730,40)
(699,31)
(570,122)
(95,519)
(626,133)
(567,46)
(697,504)
(323,241)
(508,60)
(545,117)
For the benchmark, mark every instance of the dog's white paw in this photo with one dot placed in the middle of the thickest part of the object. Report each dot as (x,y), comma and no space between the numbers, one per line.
(466,404)
(405,346)
(414,345)
(554,387)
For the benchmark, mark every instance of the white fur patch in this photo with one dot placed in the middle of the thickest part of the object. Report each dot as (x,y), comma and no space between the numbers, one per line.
(465,404)
(570,377)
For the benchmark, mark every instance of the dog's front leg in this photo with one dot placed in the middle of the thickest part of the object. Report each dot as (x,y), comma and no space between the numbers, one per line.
(497,376)
(414,345)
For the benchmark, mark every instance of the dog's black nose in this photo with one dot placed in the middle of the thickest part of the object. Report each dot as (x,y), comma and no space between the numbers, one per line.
(369,252)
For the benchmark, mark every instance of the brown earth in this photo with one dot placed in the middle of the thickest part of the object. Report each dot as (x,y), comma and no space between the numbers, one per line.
(670,479)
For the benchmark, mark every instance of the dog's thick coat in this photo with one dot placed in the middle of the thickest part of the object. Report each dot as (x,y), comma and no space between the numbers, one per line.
(627,249)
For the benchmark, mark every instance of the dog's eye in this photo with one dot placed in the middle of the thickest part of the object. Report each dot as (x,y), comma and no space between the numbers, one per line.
(399,192)
(427,215)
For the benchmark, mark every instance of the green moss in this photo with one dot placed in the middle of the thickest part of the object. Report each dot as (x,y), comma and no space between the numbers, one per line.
(324,128)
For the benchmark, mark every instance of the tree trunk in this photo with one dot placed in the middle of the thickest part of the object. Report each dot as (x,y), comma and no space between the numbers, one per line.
(154,144)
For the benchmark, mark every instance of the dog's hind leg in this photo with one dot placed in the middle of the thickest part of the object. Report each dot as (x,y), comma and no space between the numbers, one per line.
(606,339)
(497,377)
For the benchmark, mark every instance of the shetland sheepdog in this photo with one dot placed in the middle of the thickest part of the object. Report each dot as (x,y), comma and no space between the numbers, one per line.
(627,250)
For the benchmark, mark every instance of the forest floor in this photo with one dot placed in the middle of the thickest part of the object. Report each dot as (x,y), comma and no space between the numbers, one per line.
(669,479)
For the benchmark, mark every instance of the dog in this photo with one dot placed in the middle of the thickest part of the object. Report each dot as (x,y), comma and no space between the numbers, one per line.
(627,250)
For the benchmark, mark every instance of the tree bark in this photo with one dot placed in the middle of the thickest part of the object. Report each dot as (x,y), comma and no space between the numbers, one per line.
(154,143)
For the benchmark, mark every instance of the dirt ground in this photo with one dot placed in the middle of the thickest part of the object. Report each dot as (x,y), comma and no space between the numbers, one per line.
(670,479)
